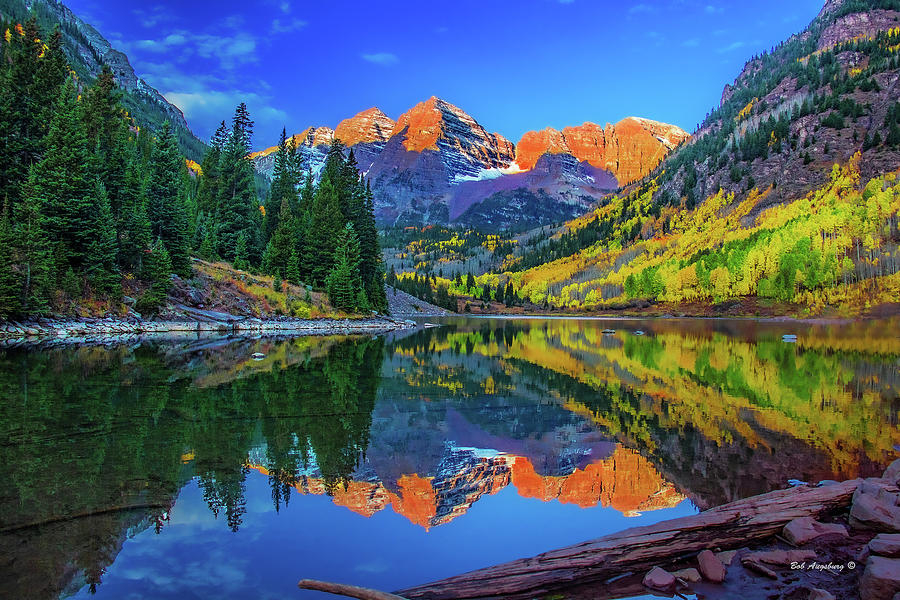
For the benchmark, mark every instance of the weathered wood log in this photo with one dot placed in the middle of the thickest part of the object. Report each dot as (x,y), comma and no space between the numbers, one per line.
(351,591)
(638,549)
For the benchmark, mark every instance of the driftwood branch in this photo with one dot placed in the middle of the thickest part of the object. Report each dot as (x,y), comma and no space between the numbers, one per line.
(638,549)
(350,591)
(83,515)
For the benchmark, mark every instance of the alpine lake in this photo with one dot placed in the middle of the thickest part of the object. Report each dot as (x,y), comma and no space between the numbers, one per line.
(186,468)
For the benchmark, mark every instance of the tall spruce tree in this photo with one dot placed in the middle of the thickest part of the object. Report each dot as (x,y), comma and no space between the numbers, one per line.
(282,244)
(326,224)
(65,182)
(343,285)
(165,202)
(237,209)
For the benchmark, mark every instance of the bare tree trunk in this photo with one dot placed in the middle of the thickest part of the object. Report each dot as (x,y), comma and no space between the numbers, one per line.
(351,591)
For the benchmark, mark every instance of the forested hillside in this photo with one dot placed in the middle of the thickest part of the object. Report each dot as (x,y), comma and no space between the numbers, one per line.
(95,207)
(89,53)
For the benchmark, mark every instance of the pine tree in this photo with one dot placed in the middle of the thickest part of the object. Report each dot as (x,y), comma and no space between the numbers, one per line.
(282,244)
(324,233)
(343,284)
(133,225)
(208,185)
(31,255)
(237,201)
(64,184)
(241,254)
(102,268)
(165,201)
(9,282)
(157,270)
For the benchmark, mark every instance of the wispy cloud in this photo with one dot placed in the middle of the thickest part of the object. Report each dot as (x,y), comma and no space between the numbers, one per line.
(640,9)
(712,9)
(287,26)
(152,16)
(691,43)
(731,47)
(384,59)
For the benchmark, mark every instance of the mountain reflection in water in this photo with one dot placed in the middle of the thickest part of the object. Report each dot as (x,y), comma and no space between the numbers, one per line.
(99,444)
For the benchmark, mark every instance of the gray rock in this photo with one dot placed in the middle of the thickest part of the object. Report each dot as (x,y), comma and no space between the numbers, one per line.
(659,579)
(727,557)
(881,579)
(711,567)
(819,594)
(885,544)
(805,529)
(878,511)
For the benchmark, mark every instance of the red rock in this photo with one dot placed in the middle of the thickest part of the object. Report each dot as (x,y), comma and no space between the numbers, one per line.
(805,529)
(629,149)
(659,579)
(881,579)
(886,544)
(711,567)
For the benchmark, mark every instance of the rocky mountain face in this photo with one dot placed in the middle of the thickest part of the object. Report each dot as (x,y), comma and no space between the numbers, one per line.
(625,481)
(820,97)
(88,52)
(629,149)
(437,164)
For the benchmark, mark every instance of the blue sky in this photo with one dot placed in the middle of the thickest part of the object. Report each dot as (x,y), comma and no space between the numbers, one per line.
(513,65)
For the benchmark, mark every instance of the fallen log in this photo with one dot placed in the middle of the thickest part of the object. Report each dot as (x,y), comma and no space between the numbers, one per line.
(351,591)
(638,549)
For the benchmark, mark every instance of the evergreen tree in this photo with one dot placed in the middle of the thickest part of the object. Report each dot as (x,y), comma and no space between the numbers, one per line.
(157,270)
(241,254)
(343,285)
(102,268)
(64,184)
(165,201)
(282,245)
(31,256)
(9,282)
(237,201)
(323,234)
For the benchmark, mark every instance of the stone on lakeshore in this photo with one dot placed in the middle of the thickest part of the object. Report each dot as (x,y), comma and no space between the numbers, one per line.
(805,529)
(758,567)
(781,558)
(659,579)
(881,579)
(711,567)
(885,544)
(690,575)
(892,473)
(878,511)
(727,557)
(819,594)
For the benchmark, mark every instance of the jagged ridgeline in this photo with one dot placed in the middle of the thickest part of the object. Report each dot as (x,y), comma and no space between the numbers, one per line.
(787,191)
(88,52)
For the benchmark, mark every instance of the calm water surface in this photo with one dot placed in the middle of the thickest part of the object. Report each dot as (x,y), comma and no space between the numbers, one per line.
(186,469)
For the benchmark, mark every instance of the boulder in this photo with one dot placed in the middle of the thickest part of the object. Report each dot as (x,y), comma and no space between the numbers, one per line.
(819,594)
(881,579)
(892,473)
(878,511)
(885,544)
(691,575)
(711,567)
(659,579)
(806,529)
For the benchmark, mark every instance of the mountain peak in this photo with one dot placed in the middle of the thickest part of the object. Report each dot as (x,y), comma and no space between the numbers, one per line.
(370,125)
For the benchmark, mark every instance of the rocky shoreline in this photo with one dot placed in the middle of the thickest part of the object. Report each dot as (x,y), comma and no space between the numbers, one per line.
(88,330)
(830,541)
